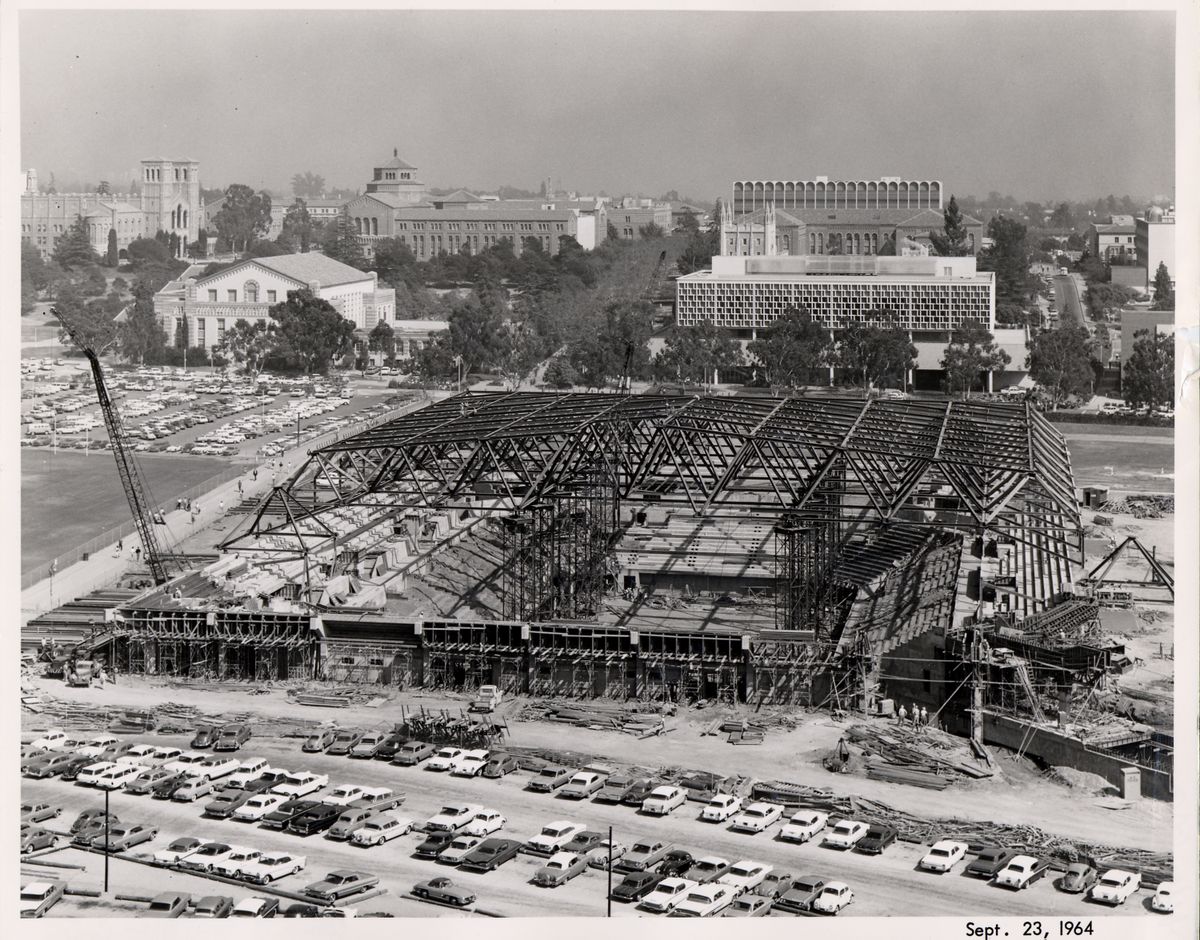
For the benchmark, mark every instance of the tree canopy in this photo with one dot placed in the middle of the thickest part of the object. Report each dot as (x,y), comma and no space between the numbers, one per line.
(951,241)
(971,353)
(243,216)
(1164,293)
(875,353)
(308,185)
(340,242)
(1008,257)
(793,348)
(140,338)
(314,332)
(73,249)
(1148,378)
(694,353)
(298,228)
(249,343)
(1060,361)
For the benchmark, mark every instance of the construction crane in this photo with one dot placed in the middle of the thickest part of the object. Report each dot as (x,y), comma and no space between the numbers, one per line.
(145,515)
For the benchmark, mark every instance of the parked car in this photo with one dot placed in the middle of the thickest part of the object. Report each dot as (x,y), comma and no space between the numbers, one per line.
(351,819)
(83,837)
(146,781)
(343,795)
(757,817)
(1164,898)
(1079,878)
(34,838)
(666,894)
(389,746)
(745,875)
(553,837)
(49,740)
(237,859)
(676,862)
(707,869)
(990,860)
(340,884)
(661,800)
(89,816)
(775,884)
(75,767)
(458,849)
(645,853)
(1116,886)
(800,896)
(206,736)
(380,828)
(705,900)
(443,761)
(803,825)
(168,904)
(192,789)
(177,851)
(318,819)
(53,762)
(96,745)
(271,866)
(364,748)
(876,840)
(38,897)
(583,842)
(638,791)
(614,789)
(549,779)
(214,768)
(452,817)
(636,885)
(250,769)
(471,763)
(91,773)
(343,741)
(845,834)
(285,812)
(1021,872)
(833,898)
(226,803)
(490,854)
(721,807)
(500,765)
(560,868)
(943,855)
(484,823)
(256,907)
(413,752)
(750,905)
(317,742)
(123,837)
(186,763)
(444,891)
(599,855)
(205,857)
(582,785)
(39,812)
(213,906)
(232,737)
(435,844)
(165,788)
(302,784)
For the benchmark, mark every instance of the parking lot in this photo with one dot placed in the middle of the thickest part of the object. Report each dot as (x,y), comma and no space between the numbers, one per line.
(889,884)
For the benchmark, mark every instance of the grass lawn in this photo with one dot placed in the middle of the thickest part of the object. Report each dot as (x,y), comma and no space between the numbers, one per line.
(69,498)
(1135,465)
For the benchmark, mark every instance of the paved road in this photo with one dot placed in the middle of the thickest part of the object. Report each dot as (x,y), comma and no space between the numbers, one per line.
(884,885)
(1067,300)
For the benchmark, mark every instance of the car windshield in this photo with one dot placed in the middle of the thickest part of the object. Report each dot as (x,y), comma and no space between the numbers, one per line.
(756,812)
(843,827)
(161,905)
(1111,881)
(38,895)
(550,773)
(642,847)
(941,853)
(698,898)
(742,871)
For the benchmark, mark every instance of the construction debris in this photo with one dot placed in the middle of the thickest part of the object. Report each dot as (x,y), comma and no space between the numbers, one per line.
(599,716)
(922,757)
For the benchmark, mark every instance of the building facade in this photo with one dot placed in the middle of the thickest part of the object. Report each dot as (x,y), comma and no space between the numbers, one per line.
(409,337)
(201,308)
(635,214)
(169,201)
(1154,242)
(1112,242)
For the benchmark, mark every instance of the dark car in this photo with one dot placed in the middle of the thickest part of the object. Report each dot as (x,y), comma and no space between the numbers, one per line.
(71,770)
(265,782)
(387,748)
(638,790)
(318,741)
(614,789)
(168,904)
(636,885)
(876,840)
(317,819)
(500,765)
(121,838)
(166,786)
(583,842)
(283,814)
(90,816)
(435,844)
(413,752)
(444,891)
(214,905)
(225,802)
(340,884)
(49,765)
(206,736)
(991,859)
(146,782)
(1078,878)
(302,910)
(800,896)
(490,854)
(675,863)
(232,737)
(342,742)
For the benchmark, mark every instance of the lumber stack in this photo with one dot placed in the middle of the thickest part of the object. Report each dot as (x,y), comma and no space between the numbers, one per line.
(599,716)
(922,757)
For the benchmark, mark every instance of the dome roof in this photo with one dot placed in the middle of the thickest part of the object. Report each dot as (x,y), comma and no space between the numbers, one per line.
(1155,214)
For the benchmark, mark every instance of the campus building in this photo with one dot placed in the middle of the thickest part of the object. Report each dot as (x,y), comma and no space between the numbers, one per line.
(1113,242)
(1154,242)
(169,201)
(198,309)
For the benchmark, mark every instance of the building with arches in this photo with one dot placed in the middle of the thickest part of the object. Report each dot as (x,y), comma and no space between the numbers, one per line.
(168,201)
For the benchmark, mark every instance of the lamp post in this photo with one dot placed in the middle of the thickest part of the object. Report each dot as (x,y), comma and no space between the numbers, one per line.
(106,853)
(610,861)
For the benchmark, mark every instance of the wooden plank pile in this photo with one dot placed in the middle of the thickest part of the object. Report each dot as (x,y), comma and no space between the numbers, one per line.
(599,716)
(923,757)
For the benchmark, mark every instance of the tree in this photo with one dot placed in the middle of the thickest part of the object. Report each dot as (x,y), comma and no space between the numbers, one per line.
(972,352)
(1104,300)
(249,342)
(560,373)
(700,247)
(1049,244)
(475,334)
(693,354)
(521,352)
(651,230)
(1164,293)
(73,249)
(688,223)
(382,339)
(1149,375)
(315,333)
(140,338)
(435,360)
(876,352)
(888,246)
(1060,360)
(263,248)
(298,228)
(951,242)
(35,275)
(243,216)
(618,348)
(792,348)
(111,256)
(1062,216)
(1008,257)
(147,249)
(93,321)
(611,233)
(308,186)
(1076,242)
(339,241)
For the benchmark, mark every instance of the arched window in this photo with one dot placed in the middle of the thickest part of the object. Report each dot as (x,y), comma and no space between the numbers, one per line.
(971,241)
(812,243)
(820,243)
(374,226)
(858,244)
(874,243)
(251,291)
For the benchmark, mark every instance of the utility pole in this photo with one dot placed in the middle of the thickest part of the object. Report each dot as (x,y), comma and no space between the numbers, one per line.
(976,688)
(610,861)
(106,852)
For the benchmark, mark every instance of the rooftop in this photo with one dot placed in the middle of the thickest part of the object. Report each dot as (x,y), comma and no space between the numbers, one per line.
(306,267)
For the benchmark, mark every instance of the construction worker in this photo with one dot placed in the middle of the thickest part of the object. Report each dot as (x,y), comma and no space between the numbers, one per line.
(924,717)
(901,715)
(137,553)
(916,715)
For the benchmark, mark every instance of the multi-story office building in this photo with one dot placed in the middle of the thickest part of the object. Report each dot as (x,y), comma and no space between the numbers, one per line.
(1112,242)
(1154,241)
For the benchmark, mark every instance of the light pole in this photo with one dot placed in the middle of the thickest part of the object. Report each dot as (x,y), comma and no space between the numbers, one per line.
(106,853)
(610,860)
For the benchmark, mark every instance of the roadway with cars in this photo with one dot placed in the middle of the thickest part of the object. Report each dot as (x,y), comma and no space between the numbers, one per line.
(1066,299)
(889,884)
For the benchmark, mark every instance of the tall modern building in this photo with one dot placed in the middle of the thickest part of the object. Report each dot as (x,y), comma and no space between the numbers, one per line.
(1154,241)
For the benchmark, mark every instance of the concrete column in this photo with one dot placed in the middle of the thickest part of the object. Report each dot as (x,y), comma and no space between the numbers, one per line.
(1131,783)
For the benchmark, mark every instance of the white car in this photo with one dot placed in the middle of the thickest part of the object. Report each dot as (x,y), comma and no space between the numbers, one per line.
(90,774)
(803,825)
(236,861)
(271,866)
(381,828)
(1116,886)
(459,848)
(721,807)
(554,836)
(248,770)
(705,901)
(118,775)
(666,894)
(845,834)
(171,856)
(452,817)
(164,755)
(255,907)
(485,822)
(943,855)
(757,817)
(215,767)
(301,784)
(52,740)
(344,795)
(258,806)
(371,796)
(471,763)
(444,759)
(186,763)
(833,897)
(1020,873)
(661,800)
(745,875)
(138,754)
(96,746)
(1164,898)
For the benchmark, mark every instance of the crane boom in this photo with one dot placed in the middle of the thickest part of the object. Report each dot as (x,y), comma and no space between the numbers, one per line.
(127,469)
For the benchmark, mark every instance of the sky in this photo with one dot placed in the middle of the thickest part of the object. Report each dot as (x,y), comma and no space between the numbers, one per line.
(1039,105)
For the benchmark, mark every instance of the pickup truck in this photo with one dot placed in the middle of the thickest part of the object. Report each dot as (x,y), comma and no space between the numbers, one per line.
(487,699)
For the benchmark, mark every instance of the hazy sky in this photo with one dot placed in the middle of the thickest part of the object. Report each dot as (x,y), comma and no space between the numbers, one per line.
(1039,105)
